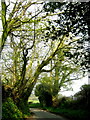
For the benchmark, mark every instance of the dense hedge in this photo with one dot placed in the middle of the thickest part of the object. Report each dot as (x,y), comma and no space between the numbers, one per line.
(10,111)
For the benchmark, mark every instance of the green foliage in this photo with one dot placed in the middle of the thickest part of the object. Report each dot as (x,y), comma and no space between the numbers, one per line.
(47,84)
(10,111)
(45,99)
(40,88)
(85,87)
(63,102)
(44,94)
(24,108)
(83,96)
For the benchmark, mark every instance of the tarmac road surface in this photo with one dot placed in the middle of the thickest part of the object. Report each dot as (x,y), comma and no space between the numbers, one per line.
(43,115)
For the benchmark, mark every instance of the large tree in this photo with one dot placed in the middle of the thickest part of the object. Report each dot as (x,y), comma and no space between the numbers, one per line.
(16,18)
(29,50)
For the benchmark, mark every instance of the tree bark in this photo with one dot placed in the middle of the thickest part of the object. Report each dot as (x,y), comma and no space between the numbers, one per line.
(4,25)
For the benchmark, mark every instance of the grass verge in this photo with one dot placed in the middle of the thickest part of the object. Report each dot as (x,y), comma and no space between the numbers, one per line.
(35,105)
(78,114)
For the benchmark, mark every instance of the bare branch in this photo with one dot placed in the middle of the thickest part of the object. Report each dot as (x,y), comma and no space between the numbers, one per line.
(9,69)
(13,11)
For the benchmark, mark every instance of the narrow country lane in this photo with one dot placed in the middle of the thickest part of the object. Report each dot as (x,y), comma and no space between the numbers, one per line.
(43,115)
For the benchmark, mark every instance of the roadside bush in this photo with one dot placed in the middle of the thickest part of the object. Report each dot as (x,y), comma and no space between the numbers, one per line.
(10,111)
(45,99)
(64,102)
(55,102)
(83,97)
(43,93)
(24,108)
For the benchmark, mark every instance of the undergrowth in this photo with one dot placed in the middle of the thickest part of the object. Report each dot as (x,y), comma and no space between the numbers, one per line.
(10,111)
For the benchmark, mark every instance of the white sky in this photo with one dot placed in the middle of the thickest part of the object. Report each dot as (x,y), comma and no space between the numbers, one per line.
(76,86)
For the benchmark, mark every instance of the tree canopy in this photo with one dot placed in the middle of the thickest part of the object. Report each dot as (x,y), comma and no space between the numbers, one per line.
(38,37)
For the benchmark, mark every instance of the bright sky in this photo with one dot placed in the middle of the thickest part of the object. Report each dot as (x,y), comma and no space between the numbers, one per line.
(76,86)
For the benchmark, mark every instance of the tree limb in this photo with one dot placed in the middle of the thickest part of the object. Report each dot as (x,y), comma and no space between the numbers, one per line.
(4,24)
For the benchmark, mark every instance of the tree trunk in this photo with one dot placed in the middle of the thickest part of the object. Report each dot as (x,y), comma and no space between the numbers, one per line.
(6,30)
